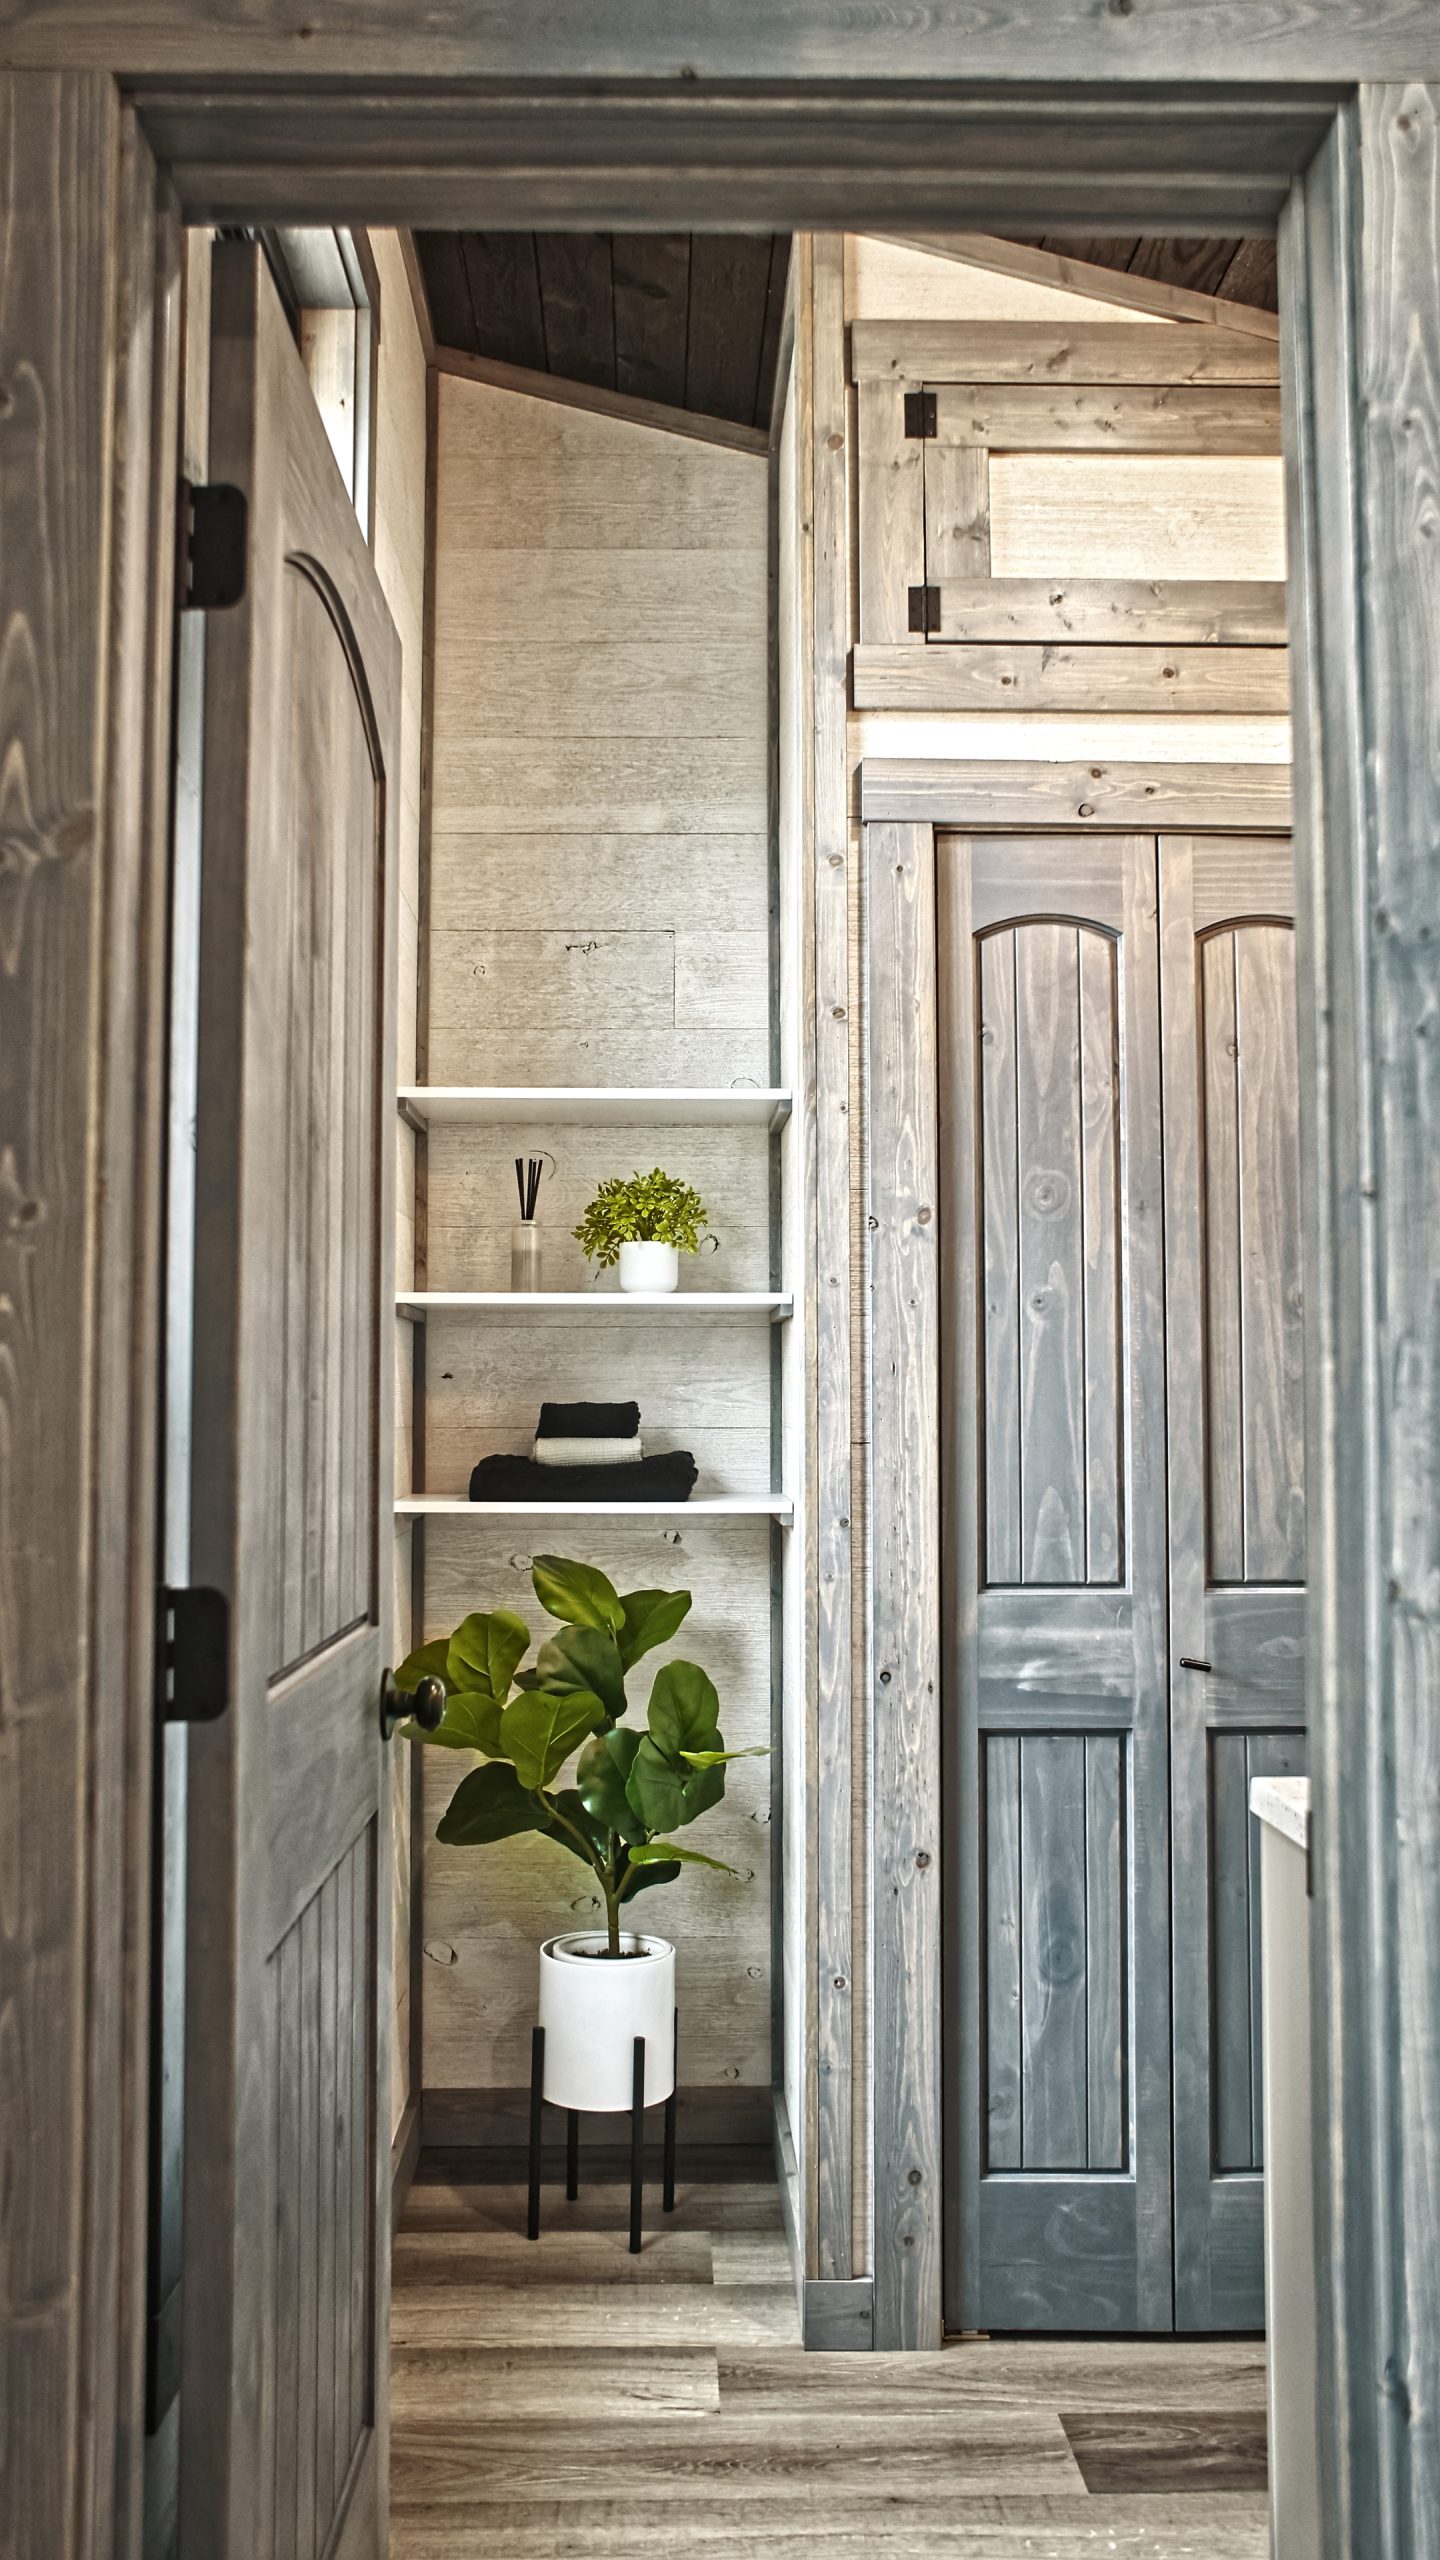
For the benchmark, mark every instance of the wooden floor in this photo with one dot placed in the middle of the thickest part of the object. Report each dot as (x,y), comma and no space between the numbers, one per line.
(564,2398)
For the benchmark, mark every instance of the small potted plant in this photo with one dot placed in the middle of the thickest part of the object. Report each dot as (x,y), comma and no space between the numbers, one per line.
(644,1223)
(633,1786)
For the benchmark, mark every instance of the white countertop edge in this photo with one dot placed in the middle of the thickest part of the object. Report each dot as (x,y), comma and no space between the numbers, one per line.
(1285,1804)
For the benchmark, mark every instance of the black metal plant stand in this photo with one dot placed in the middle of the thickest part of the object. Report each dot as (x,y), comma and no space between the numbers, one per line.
(572,2137)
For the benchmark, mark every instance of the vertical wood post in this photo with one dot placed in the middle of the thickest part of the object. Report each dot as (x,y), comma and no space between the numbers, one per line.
(1361,287)
(88,409)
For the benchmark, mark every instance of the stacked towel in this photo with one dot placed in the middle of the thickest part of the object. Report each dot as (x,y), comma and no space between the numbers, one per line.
(586,1453)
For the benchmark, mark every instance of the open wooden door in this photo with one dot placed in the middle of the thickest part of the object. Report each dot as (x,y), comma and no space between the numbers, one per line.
(287,2153)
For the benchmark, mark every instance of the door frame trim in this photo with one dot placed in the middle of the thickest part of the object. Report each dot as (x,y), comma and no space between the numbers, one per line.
(1360,418)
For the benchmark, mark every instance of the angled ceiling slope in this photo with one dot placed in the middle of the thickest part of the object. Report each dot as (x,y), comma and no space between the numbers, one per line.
(691,319)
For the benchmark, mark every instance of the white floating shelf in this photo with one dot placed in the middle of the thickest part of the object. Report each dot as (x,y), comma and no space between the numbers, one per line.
(441,1106)
(716,1506)
(768,1306)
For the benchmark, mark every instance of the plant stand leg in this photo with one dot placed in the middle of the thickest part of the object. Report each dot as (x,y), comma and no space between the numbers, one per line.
(670,2106)
(537,2099)
(572,2154)
(637,2144)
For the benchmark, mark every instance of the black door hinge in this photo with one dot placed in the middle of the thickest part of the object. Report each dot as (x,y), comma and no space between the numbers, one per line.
(214,546)
(925,609)
(194,1656)
(920,414)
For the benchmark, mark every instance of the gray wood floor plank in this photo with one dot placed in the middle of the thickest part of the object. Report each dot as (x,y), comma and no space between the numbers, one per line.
(1083,2374)
(558,2259)
(561,2384)
(985,2528)
(597,2316)
(442,2205)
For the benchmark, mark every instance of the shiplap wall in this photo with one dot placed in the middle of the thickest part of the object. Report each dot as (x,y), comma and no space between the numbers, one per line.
(399,549)
(598,915)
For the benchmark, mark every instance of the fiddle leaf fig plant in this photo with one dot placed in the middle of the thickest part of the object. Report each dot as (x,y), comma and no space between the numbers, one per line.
(633,1786)
(645,1208)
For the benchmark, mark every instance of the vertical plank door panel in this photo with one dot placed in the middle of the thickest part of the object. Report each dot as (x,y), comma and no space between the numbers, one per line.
(282,2417)
(1236,1510)
(1053,1668)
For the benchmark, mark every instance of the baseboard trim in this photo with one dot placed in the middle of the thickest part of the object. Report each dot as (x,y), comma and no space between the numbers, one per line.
(838,2314)
(720,2132)
(404,2157)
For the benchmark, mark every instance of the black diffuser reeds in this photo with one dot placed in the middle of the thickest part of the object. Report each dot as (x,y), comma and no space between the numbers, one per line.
(527,1182)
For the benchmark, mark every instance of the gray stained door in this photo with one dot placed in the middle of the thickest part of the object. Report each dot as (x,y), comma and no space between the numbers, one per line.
(1122,1494)
(287,2143)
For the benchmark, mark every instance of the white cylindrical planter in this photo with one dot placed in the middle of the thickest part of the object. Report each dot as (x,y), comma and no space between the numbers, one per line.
(592,2007)
(651,1267)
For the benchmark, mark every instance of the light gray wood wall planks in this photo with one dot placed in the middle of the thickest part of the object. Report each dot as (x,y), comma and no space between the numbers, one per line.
(88,354)
(599,915)
(1359,279)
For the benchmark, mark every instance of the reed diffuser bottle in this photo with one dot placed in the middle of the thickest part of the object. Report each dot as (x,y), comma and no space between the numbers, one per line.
(525,1234)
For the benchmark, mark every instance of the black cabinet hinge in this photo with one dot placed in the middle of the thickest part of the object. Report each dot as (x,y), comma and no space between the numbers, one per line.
(194,1656)
(924,609)
(920,414)
(214,546)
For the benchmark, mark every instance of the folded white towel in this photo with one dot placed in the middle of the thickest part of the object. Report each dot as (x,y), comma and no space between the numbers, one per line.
(586,1453)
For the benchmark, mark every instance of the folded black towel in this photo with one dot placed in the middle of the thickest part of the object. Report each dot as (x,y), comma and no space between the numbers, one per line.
(667,1478)
(588,1422)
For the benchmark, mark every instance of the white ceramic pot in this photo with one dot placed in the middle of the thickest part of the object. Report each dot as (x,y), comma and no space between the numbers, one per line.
(653,1267)
(592,2008)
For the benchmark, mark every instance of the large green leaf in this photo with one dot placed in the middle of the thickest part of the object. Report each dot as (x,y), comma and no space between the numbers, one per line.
(490,1804)
(579,1593)
(651,1618)
(684,1710)
(721,1759)
(472,1723)
(577,1815)
(699,1790)
(541,1727)
(584,1658)
(484,1652)
(654,1853)
(427,1662)
(601,1773)
(639,1877)
(655,1788)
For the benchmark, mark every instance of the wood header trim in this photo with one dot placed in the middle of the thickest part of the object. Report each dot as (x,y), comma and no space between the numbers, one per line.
(1044,354)
(624,405)
(1031,265)
(949,792)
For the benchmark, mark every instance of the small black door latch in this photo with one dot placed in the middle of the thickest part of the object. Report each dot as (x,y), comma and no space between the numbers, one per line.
(214,546)
(194,1655)
(1189,1662)
(423,1705)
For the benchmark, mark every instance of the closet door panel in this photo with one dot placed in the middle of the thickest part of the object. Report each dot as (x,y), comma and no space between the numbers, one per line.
(1058,2060)
(1236,1512)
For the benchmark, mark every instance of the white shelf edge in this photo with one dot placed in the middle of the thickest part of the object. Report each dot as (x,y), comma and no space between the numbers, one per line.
(418,1303)
(596,1106)
(724,1506)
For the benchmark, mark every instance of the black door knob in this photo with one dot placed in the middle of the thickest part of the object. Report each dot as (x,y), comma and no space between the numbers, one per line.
(423,1705)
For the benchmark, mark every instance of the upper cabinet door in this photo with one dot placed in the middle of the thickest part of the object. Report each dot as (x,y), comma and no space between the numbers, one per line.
(1237,1509)
(1053,1427)
(286,2153)
(1068,520)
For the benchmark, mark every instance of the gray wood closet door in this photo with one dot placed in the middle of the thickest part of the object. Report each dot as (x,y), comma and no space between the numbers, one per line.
(287,2138)
(1053,1507)
(1237,1524)
(1124,1557)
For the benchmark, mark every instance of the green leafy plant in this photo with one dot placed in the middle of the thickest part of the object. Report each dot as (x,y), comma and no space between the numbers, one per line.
(645,1208)
(632,1787)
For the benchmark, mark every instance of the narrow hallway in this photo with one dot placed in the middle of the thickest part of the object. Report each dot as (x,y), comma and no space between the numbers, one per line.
(564,2397)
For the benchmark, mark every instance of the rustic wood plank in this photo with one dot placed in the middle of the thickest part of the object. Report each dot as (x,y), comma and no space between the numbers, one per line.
(1049,1253)
(957,511)
(1239,614)
(1053,676)
(729,288)
(523,2384)
(504,282)
(1107,2141)
(1142,418)
(1102,1300)
(1271,1297)
(1053,2001)
(1225,1414)
(892,513)
(577,306)
(994,352)
(652,314)
(904,1436)
(944,792)
(998,1182)
(1004,1929)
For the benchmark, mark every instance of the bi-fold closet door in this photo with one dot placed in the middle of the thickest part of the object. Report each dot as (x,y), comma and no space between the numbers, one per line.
(1121,1490)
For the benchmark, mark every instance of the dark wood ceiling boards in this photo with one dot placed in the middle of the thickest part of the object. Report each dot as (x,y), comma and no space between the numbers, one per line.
(1233,270)
(688,318)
